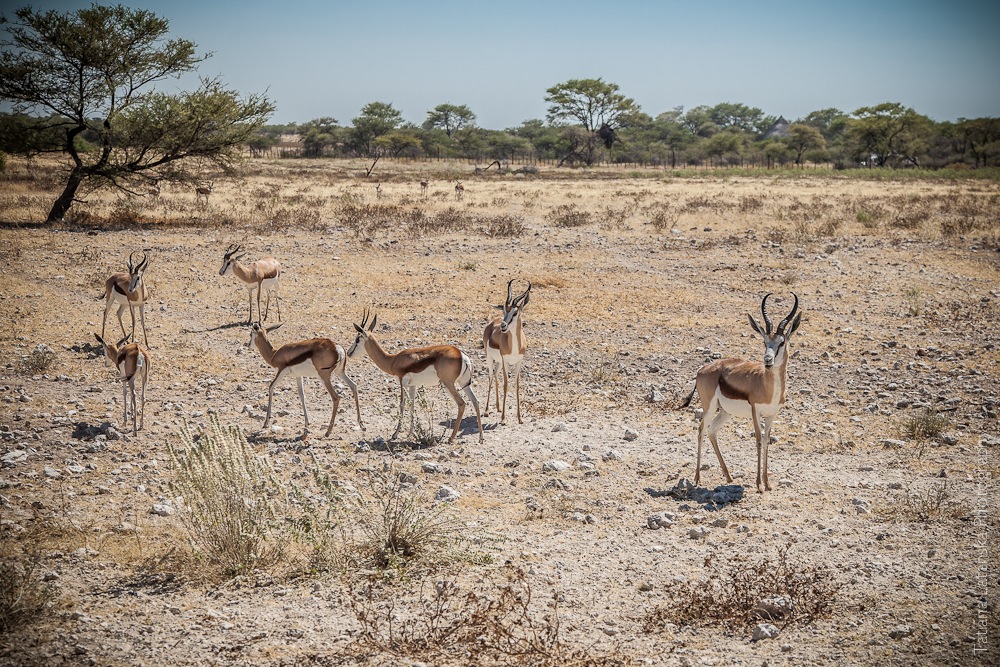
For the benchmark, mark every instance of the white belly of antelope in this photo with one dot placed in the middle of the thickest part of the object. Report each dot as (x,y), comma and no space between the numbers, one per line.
(493,356)
(425,378)
(738,408)
(304,369)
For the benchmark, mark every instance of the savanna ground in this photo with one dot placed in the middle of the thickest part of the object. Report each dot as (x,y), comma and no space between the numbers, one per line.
(883,462)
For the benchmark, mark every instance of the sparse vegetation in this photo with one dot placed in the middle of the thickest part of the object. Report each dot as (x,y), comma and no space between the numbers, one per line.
(38,361)
(24,594)
(925,425)
(734,589)
(232,506)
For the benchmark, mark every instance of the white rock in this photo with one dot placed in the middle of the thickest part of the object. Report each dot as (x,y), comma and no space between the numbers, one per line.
(555,466)
(161,509)
(630,434)
(764,631)
(447,494)
(612,455)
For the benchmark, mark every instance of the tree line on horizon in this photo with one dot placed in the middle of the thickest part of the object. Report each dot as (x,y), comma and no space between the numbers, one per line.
(82,85)
(589,121)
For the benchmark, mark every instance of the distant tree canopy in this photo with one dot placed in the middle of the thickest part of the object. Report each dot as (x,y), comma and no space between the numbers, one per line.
(597,107)
(449,117)
(83,84)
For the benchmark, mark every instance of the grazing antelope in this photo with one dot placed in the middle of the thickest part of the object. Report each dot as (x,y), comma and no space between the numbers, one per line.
(260,275)
(741,388)
(459,191)
(424,184)
(420,367)
(317,357)
(203,191)
(132,361)
(128,289)
(505,345)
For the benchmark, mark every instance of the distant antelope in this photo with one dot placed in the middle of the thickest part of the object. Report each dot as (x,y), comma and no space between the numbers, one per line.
(128,289)
(203,191)
(459,191)
(743,388)
(132,362)
(317,357)
(505,344)
(424,184)
(260,275)
(378,191)
(420,367)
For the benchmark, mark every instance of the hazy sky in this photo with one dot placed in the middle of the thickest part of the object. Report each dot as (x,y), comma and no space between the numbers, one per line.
(330,57)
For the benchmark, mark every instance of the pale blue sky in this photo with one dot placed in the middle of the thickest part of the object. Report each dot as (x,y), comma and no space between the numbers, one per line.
(330,58)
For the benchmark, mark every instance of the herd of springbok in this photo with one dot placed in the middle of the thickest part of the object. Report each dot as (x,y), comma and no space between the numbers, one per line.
(726,387)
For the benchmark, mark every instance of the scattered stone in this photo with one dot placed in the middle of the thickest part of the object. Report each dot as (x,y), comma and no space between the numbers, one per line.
(774,608)
(861,505)
(447,494)
(900,631)
(721,522)
(161,509)
(764,631)
(560,427)
(430,468)
(52,473)
(555,466)
(407,478)
(891,443)
(612,455)
(660,520)
(698,533)
(630,434)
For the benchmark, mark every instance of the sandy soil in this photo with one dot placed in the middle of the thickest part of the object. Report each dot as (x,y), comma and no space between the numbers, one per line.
(896,321)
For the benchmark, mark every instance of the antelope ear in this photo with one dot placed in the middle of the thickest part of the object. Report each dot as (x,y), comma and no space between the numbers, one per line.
(123,340)
(755,325)
(795,325)
(359,329)
(371,326)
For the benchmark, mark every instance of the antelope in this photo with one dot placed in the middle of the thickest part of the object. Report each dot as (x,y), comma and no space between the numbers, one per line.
(203,191)
(132,361)
(505,345)
(260,275)
(317,357)
(459,191)
(741,388)
(378,191)
(128,289)
(424,184)
(420,367)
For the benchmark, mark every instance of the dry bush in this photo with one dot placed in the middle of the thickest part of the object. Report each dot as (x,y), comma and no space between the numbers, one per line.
(501,226)
(735,588)
(925,425)
(501,623)
(750,204)
(935,504)
(37,361)
(568,215)
(662,216)
(234,509)
(24,595)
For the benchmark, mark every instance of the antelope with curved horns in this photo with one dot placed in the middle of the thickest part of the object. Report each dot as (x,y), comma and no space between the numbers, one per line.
(128,289)
(132,361)
(505,345)
(420,367)
(317,357)
(260,275)
(741,388)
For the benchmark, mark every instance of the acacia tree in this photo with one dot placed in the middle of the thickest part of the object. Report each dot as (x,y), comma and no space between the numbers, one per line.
(888,131)
(802,138)
(597,106)
(92,73)
(376,119)
(449,117)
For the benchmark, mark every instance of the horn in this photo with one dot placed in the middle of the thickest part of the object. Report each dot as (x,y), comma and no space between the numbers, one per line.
(524,296)
(131,262)
(145,261)
(509,295)
(274,326)
(784,322)
(763,311)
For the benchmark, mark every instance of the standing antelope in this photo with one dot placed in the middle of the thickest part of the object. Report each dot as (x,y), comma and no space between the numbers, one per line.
(420,367)
(203,191)
(424,184)
(132,361)
(317,357)
(729,387)
(378,191)
(128,289)
(505,345)
(260,275)
(459,191)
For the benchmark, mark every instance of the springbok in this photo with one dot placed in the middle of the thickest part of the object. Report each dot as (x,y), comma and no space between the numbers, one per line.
(203,191)
(424,184)
(128,289)
(459,191)
(741,388)
(317,357)
(260,275)
(420,367)
(505,344)
(132,361)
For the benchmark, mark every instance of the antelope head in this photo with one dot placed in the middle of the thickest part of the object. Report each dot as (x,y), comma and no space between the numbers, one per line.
(135,270)
(234,253)
(775,338)
(364,334)
(257,330)
(513,306)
